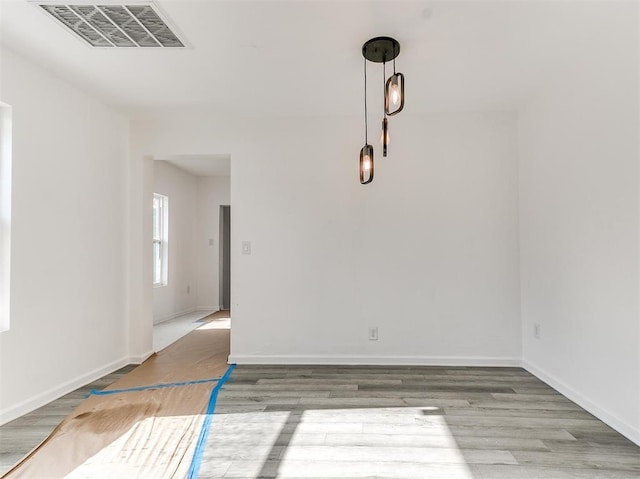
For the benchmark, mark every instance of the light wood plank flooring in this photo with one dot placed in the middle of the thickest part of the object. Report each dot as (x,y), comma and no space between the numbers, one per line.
(384,422)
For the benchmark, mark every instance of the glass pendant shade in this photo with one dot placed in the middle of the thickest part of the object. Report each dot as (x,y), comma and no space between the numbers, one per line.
(394,94)
(385,136)
(366,164)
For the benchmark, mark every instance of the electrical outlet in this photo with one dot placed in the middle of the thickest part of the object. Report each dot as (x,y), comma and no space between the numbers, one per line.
(373,334)
(536,331)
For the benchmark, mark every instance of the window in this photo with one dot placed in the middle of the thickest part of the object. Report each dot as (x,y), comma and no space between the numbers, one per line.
(160,243)
(5,213)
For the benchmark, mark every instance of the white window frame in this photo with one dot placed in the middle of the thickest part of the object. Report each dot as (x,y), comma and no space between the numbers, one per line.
(160,239)
(5,214)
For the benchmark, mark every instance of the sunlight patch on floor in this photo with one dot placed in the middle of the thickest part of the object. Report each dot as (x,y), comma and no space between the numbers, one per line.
(220,323)
(168,332)
(338,443)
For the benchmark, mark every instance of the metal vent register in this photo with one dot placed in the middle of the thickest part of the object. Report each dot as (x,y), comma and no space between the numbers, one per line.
(127,26)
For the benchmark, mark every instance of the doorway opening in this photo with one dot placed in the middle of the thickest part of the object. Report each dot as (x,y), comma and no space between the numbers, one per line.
(190,295)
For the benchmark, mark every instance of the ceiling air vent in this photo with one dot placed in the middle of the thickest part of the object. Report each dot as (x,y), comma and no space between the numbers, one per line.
(126,26)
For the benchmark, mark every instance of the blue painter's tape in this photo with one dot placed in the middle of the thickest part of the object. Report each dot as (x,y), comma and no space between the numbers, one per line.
(95,392)
(194,469)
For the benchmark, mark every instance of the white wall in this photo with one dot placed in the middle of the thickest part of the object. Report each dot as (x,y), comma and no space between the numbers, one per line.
(139,278)
(213,192)
(68,317)
(178,296)
(5,214)
(579,211)
(428,253)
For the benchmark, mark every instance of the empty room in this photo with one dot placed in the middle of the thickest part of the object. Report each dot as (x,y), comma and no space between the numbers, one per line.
(320,239)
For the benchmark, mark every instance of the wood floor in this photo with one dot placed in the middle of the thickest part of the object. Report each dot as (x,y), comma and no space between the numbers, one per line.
(384,422)
(429,422)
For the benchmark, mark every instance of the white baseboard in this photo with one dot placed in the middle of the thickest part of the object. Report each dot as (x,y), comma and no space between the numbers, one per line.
(35,402)
(213,309)
(174,316)
(374,360)
(39,400)
(198,309)
(141,358)
(601,413)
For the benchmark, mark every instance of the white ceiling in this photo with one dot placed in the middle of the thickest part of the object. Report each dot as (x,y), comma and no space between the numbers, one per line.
(304,57)
(201,165)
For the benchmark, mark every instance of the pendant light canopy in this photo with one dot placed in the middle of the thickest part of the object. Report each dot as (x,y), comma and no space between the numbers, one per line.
(381,50)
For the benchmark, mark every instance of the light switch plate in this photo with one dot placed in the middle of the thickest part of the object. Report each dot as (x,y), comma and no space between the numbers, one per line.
(246,247)
(373,333)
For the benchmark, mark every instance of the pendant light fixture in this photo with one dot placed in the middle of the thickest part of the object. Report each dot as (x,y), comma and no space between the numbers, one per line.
(394,93)
(381,50)
(366,153)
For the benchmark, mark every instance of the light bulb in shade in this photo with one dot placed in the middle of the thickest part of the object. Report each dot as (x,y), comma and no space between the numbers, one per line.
(395,94)
(366,163)
(384,136)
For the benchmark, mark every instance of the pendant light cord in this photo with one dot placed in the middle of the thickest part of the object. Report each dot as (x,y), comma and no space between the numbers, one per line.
(366,128)
(394,65)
